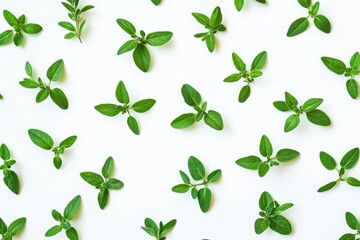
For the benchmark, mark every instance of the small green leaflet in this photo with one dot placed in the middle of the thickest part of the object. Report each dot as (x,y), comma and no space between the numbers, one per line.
(11,179)
(158,231)
(156,2)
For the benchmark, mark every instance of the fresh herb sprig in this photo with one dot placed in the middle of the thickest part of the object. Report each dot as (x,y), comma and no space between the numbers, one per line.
(213,24)
(74,14)
(54,74)
(69,213)
(111,110)
(353,223)
(300,25)
(239,4)
(266,150)
(198,173)
(156,2)
(11,179)
(193,99)
(104,182)
(20,27)
(158,231)
(337,66)
(248,76)
(43,140)
(139,44)
(8,232)
(313,114)
(347,162)
(270,216)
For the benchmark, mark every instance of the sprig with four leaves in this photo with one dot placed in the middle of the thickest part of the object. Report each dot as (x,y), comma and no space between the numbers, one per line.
(314,115)
(193,99)
(104,182)
(353,223)
(8,232)
(347,162)
(213,24)
(266,150)
(198,173)
(337,66)
(20,27)
(11,179)
(300,25)
(43,140)
(139,44)
(270,216)
(248,76)
(54,74)
(75,15)
(159,232)
(239,4)
(122,95)
(70,212)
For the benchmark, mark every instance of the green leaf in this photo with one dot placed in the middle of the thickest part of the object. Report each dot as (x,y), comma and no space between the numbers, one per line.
(133,125)
(167,228)
(250,162)
(110,110)
(290,100)
(244,93)
(4,152)
(238,62)
(108,167)
(92,178)
(121,93)
(156,2)
(42,95)
(352,221)
(352,88)
(41,139)
(261,224)
(233,78)
(353,182)
(28,69)
(72,234)
(67,26)
(57,162)
(239,4)
(312,104)
(56,215)
(114,184)
(284,207)
(59,98)
(298,26)
(327,161)
(69,35)
(204,198)
(151,224)
(196,168)
(181,188)
(68,142)
(3,227)
(291,123)
(210,41)
(184,177)
(55,71)
(103,198)
(285,155)
(214,176)
(263,169)
(72,208)
(327,187)
(18,39)
(53,231)
(264,200)
(143,105)
(335,65)
(266,149)
(126,26)
(280,225)
(216,17)
(355,61)
(214,120)
(318,117)
(347,236)
(16,226)
(202,19)
(194,193)
(305,3)
(158,38)
(32,28)
(259,61)
(142,57)
(350,158)
(255,73)
(281,106)
(315,8)
(11,180)
(184,121)
(86,8)
(10,18)
(322,23)
(191,96)
(127,46)
(6,37)
(29,84)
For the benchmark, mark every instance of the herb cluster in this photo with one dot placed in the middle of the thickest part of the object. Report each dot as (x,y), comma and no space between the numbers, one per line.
(353,223)
(158,231)
(8,232)
(11,179)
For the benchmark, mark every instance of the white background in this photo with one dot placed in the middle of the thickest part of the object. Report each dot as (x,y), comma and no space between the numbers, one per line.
(148,164)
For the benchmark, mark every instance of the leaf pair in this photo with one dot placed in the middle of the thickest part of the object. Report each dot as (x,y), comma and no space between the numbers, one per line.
(74,14)
(313,114)
(271,217)
(7,232)
(193,99)
(159,232)
(198,173)
(266,150)
(122,96)
(337,66)
(104,182)
(300,25)
(353,223)
(248,76)
(348,161)
(43,140)
(213,24)
(139,44)
(239,4)
(64,220)
(54,73)
(11,179)
(20,27)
